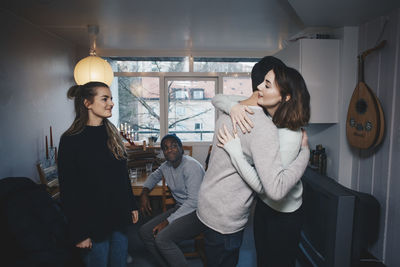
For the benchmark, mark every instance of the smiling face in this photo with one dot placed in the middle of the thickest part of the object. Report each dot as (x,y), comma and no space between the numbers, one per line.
(269,95)
(172,151)
(101,106)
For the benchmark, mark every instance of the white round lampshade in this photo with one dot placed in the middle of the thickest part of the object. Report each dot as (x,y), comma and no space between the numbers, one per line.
(93,68)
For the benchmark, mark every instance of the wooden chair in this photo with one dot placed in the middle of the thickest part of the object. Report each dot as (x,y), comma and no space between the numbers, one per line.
(199,250)
(188,150)
(166,198)
(51,186)
(42,176)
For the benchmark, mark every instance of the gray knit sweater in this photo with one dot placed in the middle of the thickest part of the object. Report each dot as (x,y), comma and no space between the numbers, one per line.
(224,197)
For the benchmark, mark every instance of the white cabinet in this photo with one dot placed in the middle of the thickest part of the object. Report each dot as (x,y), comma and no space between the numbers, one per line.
(318,61)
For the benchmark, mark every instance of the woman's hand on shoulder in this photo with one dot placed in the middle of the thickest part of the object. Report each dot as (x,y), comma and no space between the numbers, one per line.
(239,116)
(231,144)
(87,243)
(224,136)
(135,216)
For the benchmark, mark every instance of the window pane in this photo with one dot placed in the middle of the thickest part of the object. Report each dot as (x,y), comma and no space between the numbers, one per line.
(237,86)
(139,105)
(223,64)
(198,94)
(169,64)
(190,112)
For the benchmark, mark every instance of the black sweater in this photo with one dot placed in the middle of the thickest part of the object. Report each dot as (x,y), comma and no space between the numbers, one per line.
(96,193)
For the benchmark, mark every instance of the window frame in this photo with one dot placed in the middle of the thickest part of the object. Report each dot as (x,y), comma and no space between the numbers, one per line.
(164,76)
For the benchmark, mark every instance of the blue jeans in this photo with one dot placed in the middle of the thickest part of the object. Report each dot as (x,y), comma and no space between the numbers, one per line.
(222,250)
(111,252)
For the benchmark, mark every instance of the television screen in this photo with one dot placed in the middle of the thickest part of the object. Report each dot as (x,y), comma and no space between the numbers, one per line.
(314,228)
(339,223)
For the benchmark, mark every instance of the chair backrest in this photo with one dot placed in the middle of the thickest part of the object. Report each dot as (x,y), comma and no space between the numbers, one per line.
(49,177)
(41,174)
(188,150)
(166,198)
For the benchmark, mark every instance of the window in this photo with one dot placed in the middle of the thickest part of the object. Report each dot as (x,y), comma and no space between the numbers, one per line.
(180,94)
(198,126)
(159,95)
(139,105)
(180,111)
(237,86)
(197,93)
(200,110)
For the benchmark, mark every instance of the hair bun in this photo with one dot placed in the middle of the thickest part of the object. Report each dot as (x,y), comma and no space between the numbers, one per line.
(73,91)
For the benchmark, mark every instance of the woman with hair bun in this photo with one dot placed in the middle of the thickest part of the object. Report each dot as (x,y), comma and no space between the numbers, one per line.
(95,190)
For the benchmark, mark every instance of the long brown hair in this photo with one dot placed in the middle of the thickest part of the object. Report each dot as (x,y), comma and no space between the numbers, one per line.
(295,112)
(88,91)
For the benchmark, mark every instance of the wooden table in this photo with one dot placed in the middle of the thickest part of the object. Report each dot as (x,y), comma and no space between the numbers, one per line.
(137,187)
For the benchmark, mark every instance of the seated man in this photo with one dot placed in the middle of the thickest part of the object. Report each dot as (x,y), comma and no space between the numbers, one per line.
(183,175)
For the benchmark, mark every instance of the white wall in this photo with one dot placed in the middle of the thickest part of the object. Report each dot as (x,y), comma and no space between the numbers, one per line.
(333,136)
(348,81)
(35,72)
(373,171)
(376,171)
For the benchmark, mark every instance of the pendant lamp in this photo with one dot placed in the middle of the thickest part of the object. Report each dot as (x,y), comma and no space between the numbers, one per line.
(93,68)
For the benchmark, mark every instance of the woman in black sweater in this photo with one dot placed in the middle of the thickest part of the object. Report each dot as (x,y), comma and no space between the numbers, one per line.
(96,193)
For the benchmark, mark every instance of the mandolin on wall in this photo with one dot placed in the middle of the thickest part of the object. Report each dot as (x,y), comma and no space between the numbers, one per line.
(365,122)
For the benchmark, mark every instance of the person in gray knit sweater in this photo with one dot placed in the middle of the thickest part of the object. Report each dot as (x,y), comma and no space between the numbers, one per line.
(225,198)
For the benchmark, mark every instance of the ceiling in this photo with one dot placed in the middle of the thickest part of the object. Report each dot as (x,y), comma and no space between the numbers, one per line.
(195,26)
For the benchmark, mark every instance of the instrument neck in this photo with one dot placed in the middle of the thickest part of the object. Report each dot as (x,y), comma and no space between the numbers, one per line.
(360,68)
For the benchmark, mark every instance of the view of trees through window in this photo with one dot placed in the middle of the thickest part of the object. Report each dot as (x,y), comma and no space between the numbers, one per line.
(188,109)
(139,105)
(189,106)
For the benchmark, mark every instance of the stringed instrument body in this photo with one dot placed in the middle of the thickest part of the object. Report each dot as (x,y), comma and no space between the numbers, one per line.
(365,120)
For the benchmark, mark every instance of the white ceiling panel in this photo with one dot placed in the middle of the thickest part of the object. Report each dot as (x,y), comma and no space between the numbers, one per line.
(191,25)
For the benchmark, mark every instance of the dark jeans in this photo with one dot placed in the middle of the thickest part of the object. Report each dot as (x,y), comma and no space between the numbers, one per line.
(164,246)
(111,252)
(222,250)
(276,236)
